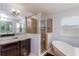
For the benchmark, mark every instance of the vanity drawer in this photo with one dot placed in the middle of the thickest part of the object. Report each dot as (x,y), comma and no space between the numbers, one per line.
(10,45)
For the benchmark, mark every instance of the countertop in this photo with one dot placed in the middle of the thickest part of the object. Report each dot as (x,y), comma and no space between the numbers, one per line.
(11,39)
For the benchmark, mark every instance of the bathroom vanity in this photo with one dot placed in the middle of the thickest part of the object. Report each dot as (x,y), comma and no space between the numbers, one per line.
(15,46)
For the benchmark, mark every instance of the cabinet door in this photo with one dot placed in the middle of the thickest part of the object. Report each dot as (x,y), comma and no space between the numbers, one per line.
(0,50)
(34,26)
(49,25)
(10,50)
(25,47)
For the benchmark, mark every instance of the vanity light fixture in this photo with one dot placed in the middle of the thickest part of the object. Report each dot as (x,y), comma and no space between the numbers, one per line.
(16,13)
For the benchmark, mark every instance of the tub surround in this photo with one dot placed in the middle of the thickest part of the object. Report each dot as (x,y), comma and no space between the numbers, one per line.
(61,48)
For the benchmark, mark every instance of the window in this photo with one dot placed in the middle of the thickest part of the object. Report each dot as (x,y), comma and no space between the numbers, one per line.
(70,26)
(5,24)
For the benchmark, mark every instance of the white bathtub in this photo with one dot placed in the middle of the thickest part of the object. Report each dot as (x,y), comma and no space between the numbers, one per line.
(65,48)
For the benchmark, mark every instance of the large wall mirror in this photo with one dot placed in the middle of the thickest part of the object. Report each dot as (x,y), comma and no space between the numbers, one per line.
(9,25)
(5,24)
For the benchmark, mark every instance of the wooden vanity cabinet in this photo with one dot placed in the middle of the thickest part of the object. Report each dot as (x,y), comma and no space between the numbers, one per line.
(20,48)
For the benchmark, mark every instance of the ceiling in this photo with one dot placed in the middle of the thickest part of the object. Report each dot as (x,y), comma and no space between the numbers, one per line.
(49,8)
(44,8)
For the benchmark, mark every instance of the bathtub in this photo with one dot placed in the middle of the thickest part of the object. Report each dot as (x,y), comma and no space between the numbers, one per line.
(65,48)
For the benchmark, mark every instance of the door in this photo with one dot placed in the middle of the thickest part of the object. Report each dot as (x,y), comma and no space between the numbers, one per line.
(25,47)
(34,25)
(28,25)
